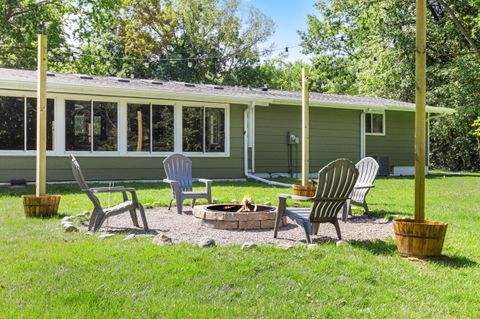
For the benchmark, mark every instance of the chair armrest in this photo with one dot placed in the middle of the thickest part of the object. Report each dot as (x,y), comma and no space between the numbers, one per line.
(203,180)
(111,189)
(295,197)
(363,186)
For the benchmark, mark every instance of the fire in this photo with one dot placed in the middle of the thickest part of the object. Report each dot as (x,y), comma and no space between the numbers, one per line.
(247,205)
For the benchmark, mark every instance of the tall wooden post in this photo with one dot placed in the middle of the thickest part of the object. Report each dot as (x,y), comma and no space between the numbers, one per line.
(420,100)
(305,128)
(41,167)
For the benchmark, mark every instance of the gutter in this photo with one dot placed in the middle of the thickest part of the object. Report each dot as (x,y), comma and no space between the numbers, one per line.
(250,108)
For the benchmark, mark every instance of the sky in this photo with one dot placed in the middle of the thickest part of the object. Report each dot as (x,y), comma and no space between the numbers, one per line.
(289,16)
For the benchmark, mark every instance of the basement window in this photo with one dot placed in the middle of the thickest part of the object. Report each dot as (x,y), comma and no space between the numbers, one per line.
(375,124)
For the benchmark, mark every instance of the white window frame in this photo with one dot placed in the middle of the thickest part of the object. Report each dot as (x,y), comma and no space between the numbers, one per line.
(226,107)
(26,152)
(91,99)
(152,102)
(59,125)
(383,123)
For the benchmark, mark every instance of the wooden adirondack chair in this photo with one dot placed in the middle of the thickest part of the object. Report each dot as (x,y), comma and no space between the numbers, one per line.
(100,214)
(335,184)
(368,169)
(178,169)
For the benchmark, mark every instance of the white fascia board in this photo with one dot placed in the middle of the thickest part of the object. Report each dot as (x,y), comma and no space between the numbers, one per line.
(429,109)
(332,105)
(134,93)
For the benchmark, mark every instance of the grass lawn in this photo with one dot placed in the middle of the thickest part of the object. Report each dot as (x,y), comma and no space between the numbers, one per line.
(46,273)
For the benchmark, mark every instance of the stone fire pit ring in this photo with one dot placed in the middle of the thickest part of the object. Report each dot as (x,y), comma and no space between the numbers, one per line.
(225,216)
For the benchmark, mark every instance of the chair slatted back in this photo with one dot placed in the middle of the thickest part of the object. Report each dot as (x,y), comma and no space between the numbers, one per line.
(77,173)
(368,169)
(178,167)
(335,184)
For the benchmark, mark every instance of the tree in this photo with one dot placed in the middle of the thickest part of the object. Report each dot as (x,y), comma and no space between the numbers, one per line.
(192,40)
(368,48)
(20,21)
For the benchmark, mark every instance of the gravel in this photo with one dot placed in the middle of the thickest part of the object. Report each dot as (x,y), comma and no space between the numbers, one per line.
(187,228)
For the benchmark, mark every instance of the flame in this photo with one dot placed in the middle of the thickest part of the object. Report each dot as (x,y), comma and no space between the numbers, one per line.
(247,204)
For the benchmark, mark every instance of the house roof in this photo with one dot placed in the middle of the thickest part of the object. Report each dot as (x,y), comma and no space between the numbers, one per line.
(100,85)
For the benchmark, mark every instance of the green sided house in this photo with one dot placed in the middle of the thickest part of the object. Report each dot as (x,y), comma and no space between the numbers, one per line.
(122,129)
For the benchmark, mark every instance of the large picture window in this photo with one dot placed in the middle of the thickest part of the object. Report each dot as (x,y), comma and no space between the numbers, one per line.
(18,123)
(90,126)
(203,129)
(375,123)
(150,128)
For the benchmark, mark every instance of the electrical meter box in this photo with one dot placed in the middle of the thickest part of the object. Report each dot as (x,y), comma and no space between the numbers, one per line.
(292,138)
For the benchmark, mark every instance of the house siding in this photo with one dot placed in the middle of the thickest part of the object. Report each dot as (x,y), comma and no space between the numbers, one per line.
(334,133)
(398,142)
(132,167)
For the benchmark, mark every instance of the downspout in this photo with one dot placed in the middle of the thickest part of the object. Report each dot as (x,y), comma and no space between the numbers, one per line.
(246,130)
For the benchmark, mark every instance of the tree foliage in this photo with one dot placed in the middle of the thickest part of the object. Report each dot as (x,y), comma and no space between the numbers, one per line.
(20,21)
(368,48)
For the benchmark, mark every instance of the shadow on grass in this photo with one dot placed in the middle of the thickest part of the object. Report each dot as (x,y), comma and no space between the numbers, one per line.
(453,261)
(377,247)
(380,247)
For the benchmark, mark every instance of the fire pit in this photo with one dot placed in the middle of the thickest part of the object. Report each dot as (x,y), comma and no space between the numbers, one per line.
(238,216)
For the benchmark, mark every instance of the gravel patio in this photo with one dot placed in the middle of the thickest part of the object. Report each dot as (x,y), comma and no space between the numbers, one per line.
(187,228)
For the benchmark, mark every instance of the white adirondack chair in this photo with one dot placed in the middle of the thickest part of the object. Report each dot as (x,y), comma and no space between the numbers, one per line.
(368,169)
(178,169)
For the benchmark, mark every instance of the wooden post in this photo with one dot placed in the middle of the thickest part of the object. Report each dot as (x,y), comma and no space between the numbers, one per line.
(139,131)
(305,128)
(420,100)
(41,161)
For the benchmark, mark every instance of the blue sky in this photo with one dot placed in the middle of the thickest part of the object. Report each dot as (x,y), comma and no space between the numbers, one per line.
(289,16)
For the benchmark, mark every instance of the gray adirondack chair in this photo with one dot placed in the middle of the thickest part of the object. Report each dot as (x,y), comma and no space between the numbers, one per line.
(178,169)
(100,214)
(335,184)
(368,169)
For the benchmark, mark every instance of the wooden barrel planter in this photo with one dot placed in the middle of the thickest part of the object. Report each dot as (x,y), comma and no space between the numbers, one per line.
(40,206)
(300,190)
(419,239)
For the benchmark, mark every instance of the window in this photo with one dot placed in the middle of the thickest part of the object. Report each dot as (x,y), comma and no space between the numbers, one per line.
(203,129)
(375,123)
(32,123)
(90,126)
(18,123)
(150,128)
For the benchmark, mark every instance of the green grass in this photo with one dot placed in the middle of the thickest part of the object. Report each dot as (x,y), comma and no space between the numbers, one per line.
(47,273)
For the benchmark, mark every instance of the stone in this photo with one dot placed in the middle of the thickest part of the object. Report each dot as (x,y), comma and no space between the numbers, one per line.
(67,225)
(162,240)
(248,245)
(199,212)
(209,215)
(206,242)
(104,236)
(342,243)
(71,229)
(68,219)
(130,237)
(220,224)
(234,201)
(267,224)
(268,203)
(312,246)
(284,246)
(249,224)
